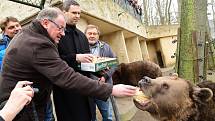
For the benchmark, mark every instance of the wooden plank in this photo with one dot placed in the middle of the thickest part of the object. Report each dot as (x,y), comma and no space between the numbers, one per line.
(200,39)
(177,51)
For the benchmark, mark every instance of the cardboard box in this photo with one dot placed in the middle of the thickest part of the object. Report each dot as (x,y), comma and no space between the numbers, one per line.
(98,66)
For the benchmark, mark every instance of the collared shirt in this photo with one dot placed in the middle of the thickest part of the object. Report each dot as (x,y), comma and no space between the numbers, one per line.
(95,49)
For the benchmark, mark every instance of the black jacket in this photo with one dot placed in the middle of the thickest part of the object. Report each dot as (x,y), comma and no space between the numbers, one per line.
(72,106)
(1,119)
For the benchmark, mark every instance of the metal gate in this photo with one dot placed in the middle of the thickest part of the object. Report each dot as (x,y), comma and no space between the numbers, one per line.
(34,3)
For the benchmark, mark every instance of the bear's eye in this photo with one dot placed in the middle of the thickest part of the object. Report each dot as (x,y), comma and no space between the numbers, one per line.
(165,86)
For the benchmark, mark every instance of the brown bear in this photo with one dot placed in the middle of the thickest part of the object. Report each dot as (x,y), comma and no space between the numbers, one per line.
(131,73)
(171,98)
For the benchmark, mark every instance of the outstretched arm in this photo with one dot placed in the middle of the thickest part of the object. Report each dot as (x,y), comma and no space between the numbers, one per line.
(121,90)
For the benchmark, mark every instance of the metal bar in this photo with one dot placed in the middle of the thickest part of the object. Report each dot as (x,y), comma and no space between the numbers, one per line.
(41,6)
(115,108)
(177,51)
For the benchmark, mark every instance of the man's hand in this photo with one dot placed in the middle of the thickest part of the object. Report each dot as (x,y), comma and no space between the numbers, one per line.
(20,96)
(121,90)
(84,58)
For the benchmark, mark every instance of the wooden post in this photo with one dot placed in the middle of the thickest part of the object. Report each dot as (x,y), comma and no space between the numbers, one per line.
(201,55)
(210,53)
(177,51)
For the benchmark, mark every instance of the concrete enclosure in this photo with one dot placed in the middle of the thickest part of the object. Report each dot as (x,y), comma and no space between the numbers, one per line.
(127,35)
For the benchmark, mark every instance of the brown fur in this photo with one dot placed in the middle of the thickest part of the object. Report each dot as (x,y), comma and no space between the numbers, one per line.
(175,99)
(131,73)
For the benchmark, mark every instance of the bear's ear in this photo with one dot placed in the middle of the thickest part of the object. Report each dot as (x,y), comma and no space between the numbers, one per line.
(116,77)
(123,67)
(202,95)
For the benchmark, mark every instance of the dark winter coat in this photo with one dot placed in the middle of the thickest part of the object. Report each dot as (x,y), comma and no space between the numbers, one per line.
(1,119)
(72,105)
(33,56)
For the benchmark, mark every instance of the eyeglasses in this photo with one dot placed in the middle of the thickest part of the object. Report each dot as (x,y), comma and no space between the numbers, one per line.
(92,33)
(62,29)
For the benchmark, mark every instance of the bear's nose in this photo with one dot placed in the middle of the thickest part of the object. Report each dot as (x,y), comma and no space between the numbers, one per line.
(144,80)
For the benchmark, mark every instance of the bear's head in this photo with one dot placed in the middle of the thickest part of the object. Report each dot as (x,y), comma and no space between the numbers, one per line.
(171,98)
(131,73)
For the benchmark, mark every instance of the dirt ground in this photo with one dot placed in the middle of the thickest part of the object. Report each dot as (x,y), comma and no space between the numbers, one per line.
(142,116)
(139,116)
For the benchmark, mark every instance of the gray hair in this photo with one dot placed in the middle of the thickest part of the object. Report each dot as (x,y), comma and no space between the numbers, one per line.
(49,13)
(68,3)
(90,26)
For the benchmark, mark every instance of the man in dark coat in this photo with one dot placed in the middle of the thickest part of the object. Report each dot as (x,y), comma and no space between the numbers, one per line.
(73,48)
(32,55)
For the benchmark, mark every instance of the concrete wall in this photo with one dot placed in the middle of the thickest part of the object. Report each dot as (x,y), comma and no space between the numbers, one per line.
(82,24)
(133,48)
(152,51)
(128,37)
(161,31)
(17,10)
(144,50)
(161,49)
(168,48)
(109,11)
(117,42)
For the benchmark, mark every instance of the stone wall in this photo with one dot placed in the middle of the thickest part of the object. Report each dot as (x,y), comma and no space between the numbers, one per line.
(127,36)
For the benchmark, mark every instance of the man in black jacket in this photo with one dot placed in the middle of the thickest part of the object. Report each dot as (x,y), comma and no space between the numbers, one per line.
(73,48)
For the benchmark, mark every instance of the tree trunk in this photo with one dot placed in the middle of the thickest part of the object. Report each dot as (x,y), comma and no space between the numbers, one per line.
(145,9)
(169,14)
(179,10)
(186,48)
(193,31)
(160,12)
(213,13)
(166,12)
